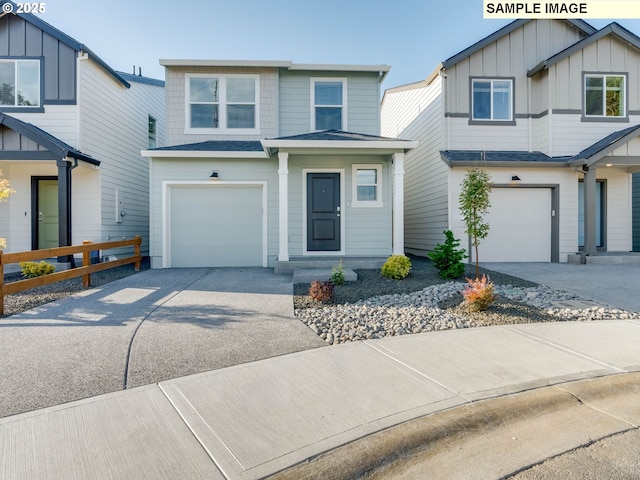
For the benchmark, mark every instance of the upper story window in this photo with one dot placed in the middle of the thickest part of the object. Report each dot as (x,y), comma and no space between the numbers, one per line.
(328,103)
(604,96)
(19,83)
(152,136)
(222,103)
(367,186)
(492,99)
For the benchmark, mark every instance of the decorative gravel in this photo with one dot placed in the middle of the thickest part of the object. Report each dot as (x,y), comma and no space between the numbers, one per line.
(359,312)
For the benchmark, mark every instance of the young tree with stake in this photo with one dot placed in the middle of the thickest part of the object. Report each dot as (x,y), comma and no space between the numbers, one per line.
(474,205)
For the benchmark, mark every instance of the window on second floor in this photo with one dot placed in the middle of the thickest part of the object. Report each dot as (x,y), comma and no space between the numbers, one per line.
(604,96)
(152,137)
(19,83)
(328,103)
(217,103)
(492,99)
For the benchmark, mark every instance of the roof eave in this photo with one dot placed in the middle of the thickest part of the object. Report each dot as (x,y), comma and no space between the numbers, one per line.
(202,154)
(399,145)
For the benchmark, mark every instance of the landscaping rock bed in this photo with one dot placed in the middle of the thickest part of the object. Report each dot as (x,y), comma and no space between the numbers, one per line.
(423,303)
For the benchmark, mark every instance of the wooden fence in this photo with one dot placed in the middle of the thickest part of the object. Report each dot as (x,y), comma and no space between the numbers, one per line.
(84,271)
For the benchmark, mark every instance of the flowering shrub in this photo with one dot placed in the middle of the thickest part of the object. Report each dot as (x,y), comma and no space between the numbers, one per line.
(321,291)
(478,294)
(396,266)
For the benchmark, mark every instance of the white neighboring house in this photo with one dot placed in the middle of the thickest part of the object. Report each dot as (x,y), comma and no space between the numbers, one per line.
(71,131)
(275,164)
(551,109)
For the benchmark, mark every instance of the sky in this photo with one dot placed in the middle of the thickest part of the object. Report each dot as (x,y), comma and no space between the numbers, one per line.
(412,36)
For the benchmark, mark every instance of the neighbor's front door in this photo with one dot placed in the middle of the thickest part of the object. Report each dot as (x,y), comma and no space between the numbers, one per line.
(47,213)
(323,212)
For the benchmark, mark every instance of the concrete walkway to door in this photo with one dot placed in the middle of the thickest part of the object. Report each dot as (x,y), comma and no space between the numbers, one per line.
(143,329)
(615,284)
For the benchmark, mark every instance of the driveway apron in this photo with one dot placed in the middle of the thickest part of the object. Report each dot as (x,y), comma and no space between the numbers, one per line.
(144,328)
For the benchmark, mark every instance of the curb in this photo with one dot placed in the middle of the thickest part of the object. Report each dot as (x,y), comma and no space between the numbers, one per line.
(579,410)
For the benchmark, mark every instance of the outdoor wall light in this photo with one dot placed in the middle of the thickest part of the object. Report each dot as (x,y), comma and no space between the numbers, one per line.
(214,175)
(515,178)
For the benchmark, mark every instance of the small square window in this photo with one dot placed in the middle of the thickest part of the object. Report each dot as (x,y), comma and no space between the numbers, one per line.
(492,100)
(367,186)
(20,83)
(604,96)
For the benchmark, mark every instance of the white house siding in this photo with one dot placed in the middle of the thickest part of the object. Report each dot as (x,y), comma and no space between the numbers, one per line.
(295,101)
(175,107)
(61,121)
(114,129)
(566,180)
(198,170)
(415,113)
(367,229)
(463,136)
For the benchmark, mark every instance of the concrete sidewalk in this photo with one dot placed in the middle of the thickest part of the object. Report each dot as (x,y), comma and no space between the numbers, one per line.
(253,420)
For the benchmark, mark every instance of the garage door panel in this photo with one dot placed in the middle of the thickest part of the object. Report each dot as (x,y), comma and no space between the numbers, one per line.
(519,226)
(216,226)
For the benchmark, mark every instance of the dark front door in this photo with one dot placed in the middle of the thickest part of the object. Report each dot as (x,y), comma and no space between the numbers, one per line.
(323,212)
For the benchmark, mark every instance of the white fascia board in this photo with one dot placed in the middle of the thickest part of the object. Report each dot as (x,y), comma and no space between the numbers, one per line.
(340,68)
(224,63)
(200,154)
(341,144)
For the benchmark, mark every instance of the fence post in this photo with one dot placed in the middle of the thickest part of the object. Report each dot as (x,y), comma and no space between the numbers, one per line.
(1,286)
(136,252)
(86,261)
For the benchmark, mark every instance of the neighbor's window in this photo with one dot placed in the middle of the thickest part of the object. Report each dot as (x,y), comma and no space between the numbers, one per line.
(492,99)
(367,186)
(604,95)
(328,103)
(152,132)
(222,102)
(20,83)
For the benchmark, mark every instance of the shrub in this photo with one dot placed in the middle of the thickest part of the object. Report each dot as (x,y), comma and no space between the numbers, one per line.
(478,294)
(448,257)
(337,277)
(321,291)
(397,267)
(36,269)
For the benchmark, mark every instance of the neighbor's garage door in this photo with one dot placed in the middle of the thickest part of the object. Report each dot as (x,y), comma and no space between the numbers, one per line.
(216,226)
(519,226)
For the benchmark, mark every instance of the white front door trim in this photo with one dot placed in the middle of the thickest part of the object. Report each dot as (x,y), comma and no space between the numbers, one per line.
(167,185)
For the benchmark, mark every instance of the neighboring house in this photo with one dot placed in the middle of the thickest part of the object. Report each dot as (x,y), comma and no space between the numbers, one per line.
(271,163)
(550,108)
(71,131)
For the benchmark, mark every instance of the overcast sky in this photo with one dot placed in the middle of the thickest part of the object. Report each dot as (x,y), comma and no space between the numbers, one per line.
(412,36)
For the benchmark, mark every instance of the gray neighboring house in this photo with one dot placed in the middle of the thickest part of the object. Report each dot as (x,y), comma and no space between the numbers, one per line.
(274,164)
(551,109)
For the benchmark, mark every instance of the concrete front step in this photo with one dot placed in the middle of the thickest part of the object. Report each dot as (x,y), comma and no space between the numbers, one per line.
(296,263)
(605,258)
(308,275)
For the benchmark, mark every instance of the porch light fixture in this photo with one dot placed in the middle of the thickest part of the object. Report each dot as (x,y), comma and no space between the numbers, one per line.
(609,165)
(515,178)
(214,175)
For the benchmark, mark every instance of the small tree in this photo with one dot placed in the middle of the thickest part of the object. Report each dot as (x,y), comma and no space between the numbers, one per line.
(474,205)
(5,191)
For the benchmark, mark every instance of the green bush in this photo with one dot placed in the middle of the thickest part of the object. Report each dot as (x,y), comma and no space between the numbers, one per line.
(36,269)
(397,267)
(448,257)
(337,277)
(321,291)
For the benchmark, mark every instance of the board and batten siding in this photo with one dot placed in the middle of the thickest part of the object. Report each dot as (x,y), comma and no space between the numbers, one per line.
(232,170)
(414,112)
(114,129)
(363,96)
(176,104)
(367,229)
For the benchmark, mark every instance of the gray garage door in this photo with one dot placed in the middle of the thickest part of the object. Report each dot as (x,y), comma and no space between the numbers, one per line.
(216,226)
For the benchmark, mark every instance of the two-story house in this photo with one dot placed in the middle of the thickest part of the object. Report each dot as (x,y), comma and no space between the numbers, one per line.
(71,131)
(271,162)
(551,109)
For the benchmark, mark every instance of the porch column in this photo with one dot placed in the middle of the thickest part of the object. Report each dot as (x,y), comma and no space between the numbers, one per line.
(283,206)
(590,247)
(398,203)
(64,206)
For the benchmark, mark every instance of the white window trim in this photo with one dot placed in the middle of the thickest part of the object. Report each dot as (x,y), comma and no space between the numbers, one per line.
(313,81)
(15,61)
(377,203)
(511,100)
(604,94)
(222,112)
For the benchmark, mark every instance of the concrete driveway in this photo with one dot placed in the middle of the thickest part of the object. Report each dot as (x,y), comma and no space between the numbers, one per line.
(615,284)
(142,329)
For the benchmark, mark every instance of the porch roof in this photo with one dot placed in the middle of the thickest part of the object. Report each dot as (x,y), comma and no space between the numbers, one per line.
(337,139)
(57,148)
(501,158)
